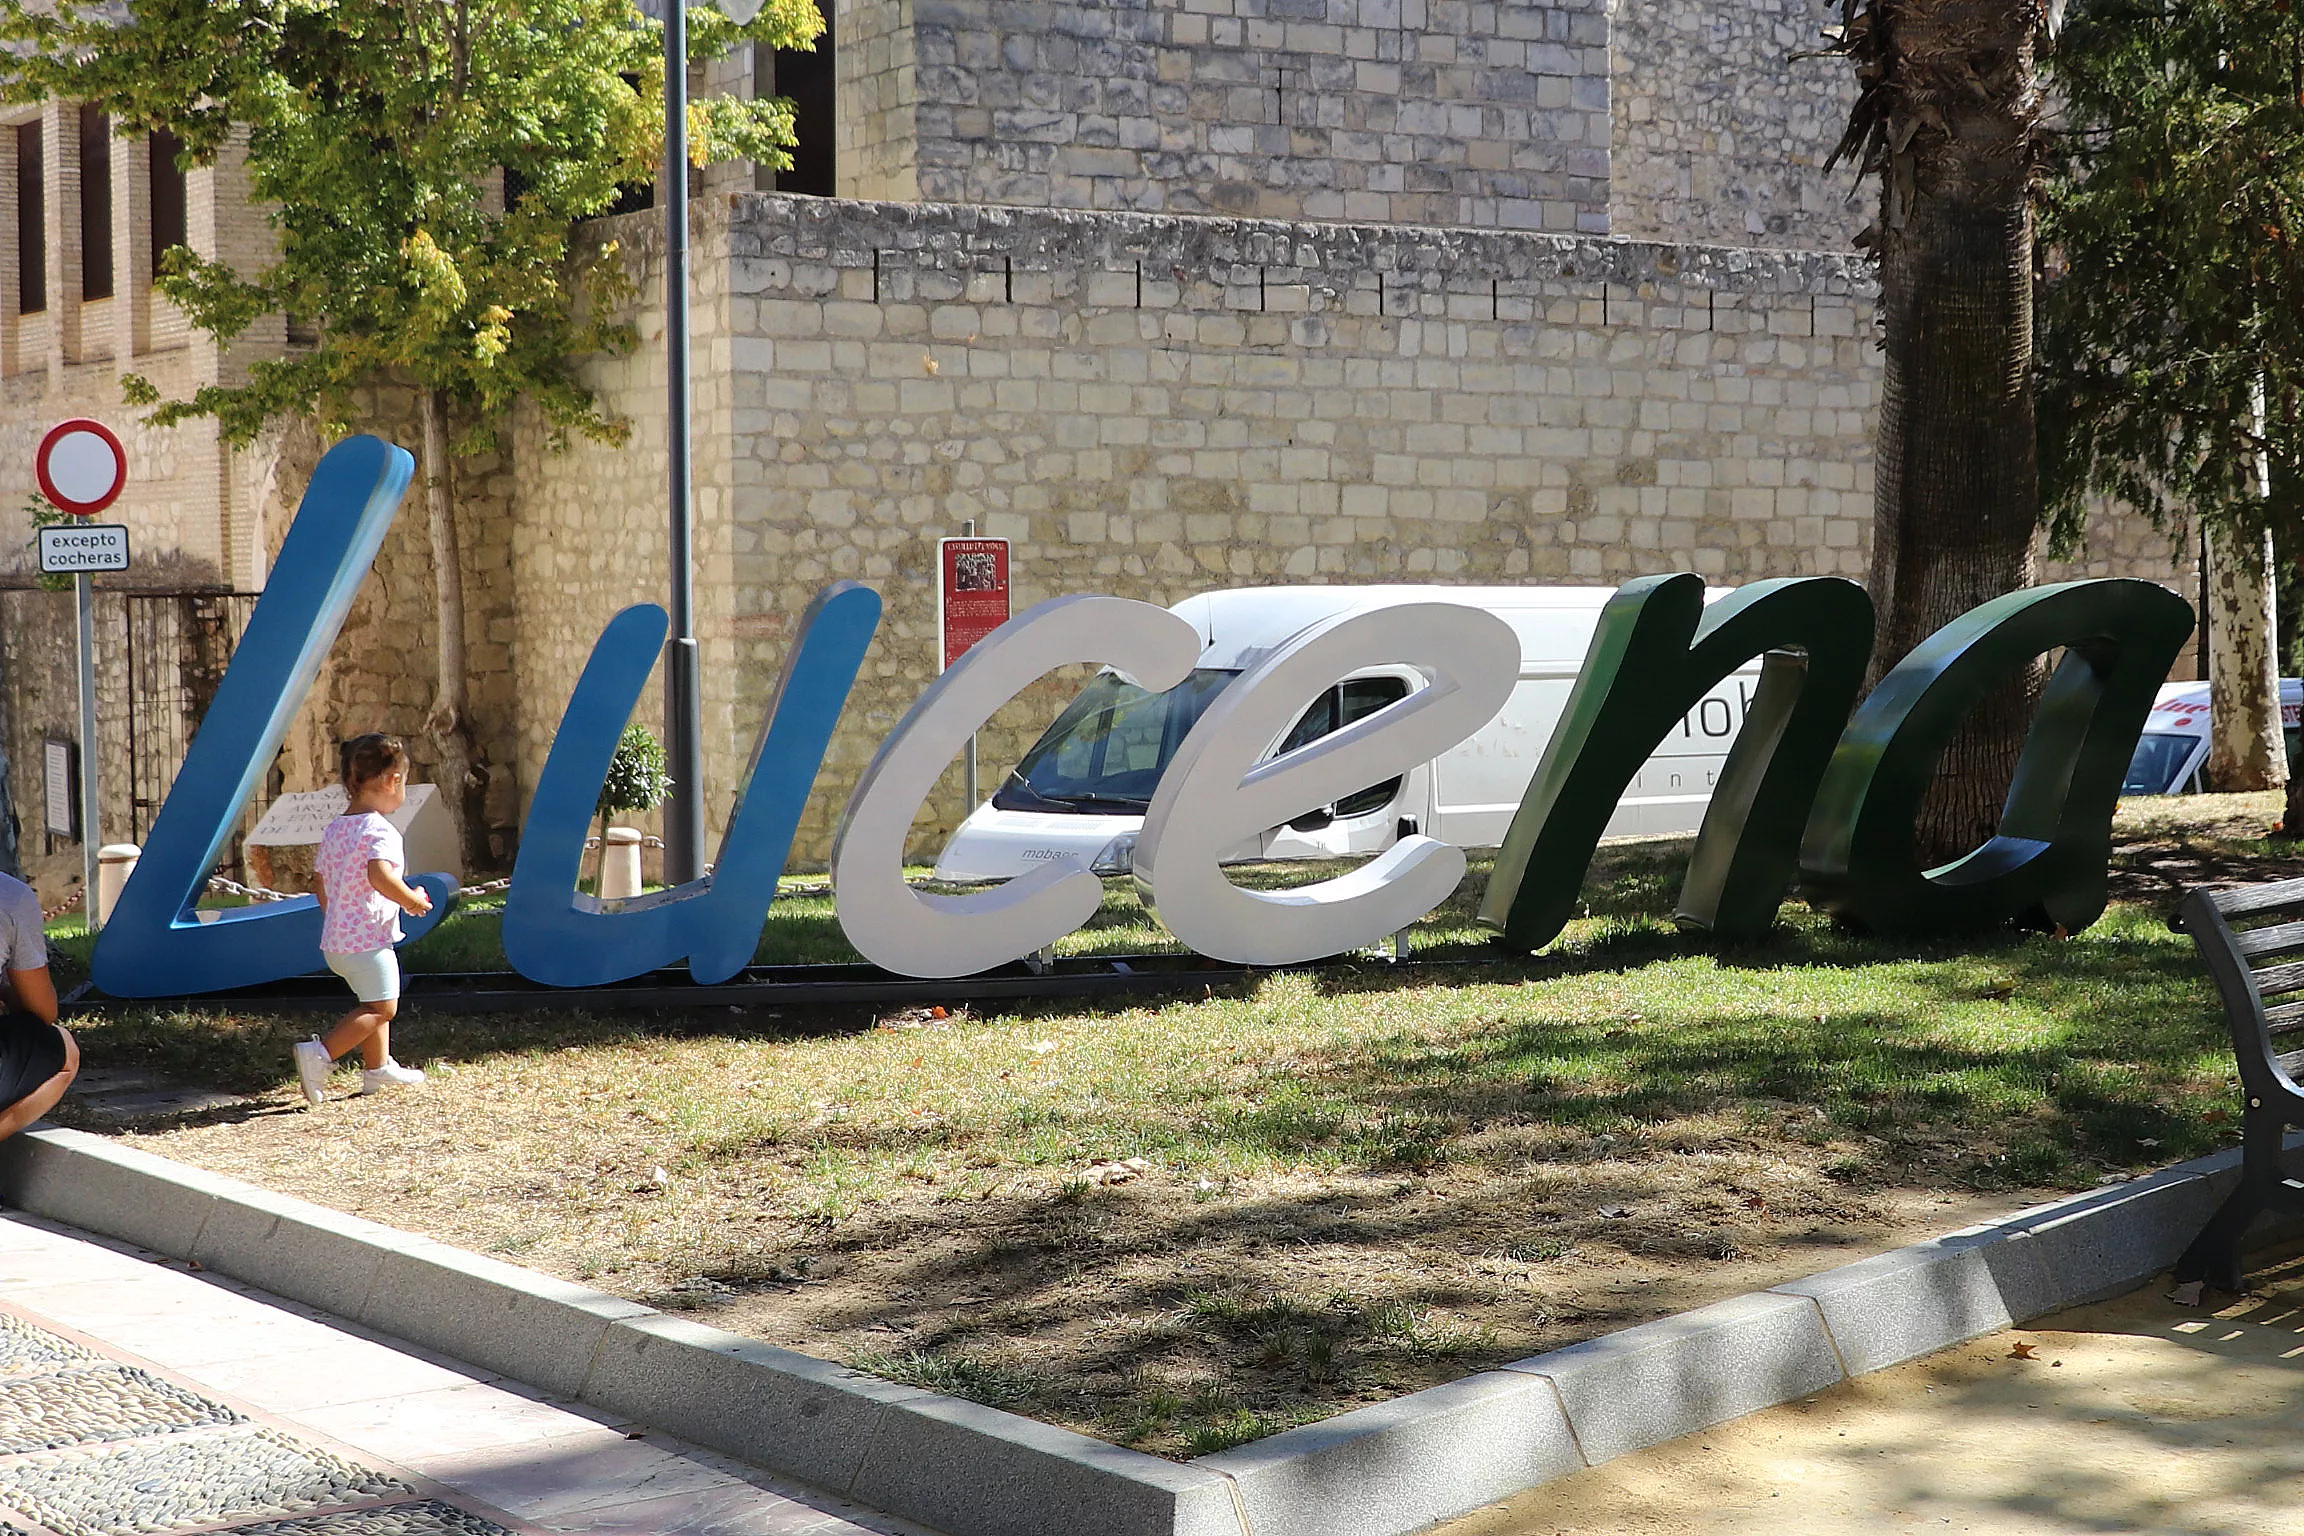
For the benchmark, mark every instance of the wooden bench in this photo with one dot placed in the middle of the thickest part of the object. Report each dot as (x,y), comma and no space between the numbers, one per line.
(2252,940)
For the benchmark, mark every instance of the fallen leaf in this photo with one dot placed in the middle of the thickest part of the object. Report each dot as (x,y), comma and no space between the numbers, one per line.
(2147,1141)
(1105,1170)
(2188,1294)
(2022,1351)
(1615,1212)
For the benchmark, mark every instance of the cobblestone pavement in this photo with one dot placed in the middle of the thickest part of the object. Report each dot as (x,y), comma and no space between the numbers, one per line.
(141,1398)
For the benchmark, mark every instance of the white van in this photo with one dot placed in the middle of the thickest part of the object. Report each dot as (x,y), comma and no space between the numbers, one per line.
(2174,747)
(1082,789)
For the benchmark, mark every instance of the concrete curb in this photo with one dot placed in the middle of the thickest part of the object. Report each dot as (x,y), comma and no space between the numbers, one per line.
(975,1471)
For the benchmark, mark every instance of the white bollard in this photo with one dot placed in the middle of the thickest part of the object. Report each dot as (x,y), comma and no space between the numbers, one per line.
(621,875)
(115,862)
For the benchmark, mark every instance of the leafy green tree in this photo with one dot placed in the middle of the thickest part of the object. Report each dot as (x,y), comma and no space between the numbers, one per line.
(422,162)
(2172,351)
(1946,118)
(638,780)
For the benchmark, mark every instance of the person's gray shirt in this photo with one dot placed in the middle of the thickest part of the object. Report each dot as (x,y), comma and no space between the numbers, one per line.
(23,931)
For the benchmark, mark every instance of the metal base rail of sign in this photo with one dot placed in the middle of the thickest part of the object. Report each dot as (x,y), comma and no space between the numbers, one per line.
(768,986)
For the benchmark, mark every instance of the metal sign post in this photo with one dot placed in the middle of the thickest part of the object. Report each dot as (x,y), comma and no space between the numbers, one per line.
(91,799)
(82,469)
(971,602)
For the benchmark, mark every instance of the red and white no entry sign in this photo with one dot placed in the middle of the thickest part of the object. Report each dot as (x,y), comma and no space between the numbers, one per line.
(82,467)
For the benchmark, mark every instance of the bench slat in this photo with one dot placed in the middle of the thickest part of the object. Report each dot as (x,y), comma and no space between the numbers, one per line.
(2286,1019)
(2276,979)
(2279,939)
(2259,898)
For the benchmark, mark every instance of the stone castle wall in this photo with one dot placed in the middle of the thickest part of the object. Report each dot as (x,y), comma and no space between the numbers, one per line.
(1655,119)
(1720,133)
(1399,111)
(1155,406)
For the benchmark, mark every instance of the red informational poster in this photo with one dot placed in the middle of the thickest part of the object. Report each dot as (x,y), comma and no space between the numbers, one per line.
(971,592)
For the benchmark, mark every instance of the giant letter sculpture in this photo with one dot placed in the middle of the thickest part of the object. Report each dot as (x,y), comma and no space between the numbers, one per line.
(154,945)
(2048,858)
(1657,651)
(559,936)
(1216,792)
(893,926)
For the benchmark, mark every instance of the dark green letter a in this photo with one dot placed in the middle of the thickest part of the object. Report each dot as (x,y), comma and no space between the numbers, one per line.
(1657,652)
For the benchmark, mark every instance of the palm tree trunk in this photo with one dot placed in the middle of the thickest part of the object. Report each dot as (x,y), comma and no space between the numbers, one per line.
(1956,499)
(460,768)
(2246,746)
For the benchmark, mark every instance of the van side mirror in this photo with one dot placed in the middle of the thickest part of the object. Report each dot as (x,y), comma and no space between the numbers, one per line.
(1312,820)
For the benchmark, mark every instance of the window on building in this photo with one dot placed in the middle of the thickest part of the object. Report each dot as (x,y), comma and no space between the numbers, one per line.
(95,204)
(804,78)
(170,211)
(31,220)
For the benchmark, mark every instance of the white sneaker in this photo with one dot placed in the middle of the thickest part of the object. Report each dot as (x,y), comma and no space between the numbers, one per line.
(390,1075)
(312,1068)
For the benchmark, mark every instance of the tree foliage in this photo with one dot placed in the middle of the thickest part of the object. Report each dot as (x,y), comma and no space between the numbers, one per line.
(422,161)
(2175,300)
(638,776)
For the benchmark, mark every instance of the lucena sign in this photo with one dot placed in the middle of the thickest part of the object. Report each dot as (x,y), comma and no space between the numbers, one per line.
(1806,792)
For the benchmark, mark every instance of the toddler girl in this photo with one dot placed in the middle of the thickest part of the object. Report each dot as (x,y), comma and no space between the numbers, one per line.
(362,896)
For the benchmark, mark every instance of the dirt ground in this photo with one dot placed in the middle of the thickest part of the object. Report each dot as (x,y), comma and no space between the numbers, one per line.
(2132,1416)
(1151,1310)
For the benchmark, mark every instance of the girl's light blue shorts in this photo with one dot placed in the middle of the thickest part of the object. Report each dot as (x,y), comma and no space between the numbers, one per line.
(373,974)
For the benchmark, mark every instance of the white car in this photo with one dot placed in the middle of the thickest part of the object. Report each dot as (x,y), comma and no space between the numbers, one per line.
(1083,788)
(2174,747)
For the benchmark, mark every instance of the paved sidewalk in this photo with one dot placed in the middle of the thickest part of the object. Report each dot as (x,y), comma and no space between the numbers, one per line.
(138,1396)
(2131,1416)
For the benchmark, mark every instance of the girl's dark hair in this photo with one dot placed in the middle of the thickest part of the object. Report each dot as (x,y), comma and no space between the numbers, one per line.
(371,757)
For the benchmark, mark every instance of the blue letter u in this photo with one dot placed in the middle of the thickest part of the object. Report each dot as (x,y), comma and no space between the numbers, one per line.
(557,935)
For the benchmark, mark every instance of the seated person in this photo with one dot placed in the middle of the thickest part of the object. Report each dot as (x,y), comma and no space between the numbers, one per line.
(38,1057)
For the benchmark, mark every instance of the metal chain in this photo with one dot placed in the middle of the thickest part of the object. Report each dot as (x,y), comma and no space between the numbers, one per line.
(231,887)
(226,885)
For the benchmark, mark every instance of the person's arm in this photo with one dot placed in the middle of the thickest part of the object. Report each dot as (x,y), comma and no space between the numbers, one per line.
(384,875)
(35,992)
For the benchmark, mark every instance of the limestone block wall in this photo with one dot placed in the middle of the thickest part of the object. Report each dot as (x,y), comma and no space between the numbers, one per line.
(877,88)
(590,522)
(380,675)
(1153,406)
(1408,111)
(1720,135)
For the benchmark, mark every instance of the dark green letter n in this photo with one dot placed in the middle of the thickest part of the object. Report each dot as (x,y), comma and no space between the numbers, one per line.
(1658,650)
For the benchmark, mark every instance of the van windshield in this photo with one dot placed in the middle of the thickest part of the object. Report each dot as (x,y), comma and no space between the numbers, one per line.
(1106,752)
(2160,755)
